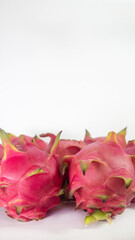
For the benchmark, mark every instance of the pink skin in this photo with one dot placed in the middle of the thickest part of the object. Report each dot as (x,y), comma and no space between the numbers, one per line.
(104,176)
(1,152)
(120,138)
(37,211)
(130,148)
(65,147)
(68,147)
(29,179)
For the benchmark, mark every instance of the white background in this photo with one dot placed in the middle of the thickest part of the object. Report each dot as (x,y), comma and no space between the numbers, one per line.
(67,65)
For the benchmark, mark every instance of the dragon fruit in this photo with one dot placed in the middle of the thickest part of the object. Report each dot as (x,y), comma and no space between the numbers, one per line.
(130,148)
(30,182)
(101,178)
(66,147)
(120,138)
(1,152)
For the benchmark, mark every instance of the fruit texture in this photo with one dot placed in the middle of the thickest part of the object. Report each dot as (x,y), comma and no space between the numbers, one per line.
(1,152)
(66,147)
(130,149)
(30,182)
(120,136)
(101,178)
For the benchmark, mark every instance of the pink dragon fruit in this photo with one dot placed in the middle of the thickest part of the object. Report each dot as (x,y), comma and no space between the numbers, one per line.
(30,182)
(120,138)
(1,152)
(130,148)
(66,147)
(101,178)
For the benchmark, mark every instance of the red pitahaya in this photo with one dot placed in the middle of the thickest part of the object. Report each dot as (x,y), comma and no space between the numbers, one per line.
(120,138)
(130,148)
(1,152)
(30,183)
(66,147)
(101,178)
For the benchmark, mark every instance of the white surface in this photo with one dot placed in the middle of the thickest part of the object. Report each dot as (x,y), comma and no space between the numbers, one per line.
(66,223)
(67,65)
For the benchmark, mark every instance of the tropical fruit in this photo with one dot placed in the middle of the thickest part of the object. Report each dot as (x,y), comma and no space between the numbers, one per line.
(120,136)
(30,182)
(101,179)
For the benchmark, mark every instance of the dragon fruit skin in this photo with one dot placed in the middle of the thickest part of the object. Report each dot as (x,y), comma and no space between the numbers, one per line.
(130,148)
(101,178)
(120,138)
(1,152)
(30,182)
(66,147)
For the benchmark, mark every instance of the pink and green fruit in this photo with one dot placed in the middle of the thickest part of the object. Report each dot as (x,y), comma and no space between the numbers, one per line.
(102,179)
(30,183)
